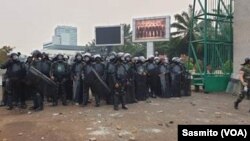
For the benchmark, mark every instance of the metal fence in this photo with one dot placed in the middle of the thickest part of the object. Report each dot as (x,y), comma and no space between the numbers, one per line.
(211,43)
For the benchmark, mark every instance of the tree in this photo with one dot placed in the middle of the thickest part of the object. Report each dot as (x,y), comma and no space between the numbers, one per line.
(89,46)
(183,29)
(91,43)
(3,53)
(135,49)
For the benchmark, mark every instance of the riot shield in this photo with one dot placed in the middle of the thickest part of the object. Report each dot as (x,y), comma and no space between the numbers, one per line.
(39,81)
(100,80)
(37,77)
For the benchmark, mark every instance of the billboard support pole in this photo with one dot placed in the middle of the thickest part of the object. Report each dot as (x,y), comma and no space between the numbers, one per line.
(150,49)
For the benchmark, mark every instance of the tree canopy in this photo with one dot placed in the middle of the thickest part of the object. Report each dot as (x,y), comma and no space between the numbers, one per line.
(3,53)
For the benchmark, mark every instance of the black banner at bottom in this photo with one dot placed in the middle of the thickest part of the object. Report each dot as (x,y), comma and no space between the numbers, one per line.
(214,132)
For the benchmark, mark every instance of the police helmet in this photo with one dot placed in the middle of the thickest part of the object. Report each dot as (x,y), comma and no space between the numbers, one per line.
(120,54)
(247,61)
(127,57)
(113,53)
(36,53)
(78,54)
(87,54)
(112,56)
(151,57)
(176,59)
(142,58)
(60,56)
(14,56)
(157,59)
(97,56)
(135,59)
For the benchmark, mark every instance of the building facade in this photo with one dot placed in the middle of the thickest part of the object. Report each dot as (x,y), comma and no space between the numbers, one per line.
(64,49)
(65,35)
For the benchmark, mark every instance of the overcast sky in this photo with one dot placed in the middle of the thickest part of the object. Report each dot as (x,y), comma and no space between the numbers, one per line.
(27,24)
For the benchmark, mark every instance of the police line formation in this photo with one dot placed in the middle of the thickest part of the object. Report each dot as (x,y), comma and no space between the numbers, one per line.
(117,79)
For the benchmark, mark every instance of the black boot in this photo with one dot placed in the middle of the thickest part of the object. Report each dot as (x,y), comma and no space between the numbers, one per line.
(64,99)
(54,101)
(23,106)
(124,107)
(32,108)
(153,96)
(135,101)
(40,103)
(10,108)
(123,99)
(64,103)
(10,104)
(2,104)
(116,108)
(97,105)
(236,104)
(97,101)
(35,103)
(40,108)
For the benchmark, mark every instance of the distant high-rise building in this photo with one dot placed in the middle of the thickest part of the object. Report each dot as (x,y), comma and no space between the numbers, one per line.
(65,35)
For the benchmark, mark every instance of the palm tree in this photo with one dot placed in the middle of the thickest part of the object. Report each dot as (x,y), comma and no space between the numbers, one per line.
(91,43)
(182,28)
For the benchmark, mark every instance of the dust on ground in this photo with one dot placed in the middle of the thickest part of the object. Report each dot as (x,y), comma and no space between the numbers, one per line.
(155,120)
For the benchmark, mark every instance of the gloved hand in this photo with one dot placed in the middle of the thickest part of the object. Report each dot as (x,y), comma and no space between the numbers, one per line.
(244,83)
(52,78)
(116,85)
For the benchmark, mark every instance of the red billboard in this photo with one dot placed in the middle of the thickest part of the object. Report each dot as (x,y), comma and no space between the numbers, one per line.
(151,29)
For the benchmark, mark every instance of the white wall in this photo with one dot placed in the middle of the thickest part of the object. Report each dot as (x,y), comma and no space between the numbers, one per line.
(1,73)
(241,33)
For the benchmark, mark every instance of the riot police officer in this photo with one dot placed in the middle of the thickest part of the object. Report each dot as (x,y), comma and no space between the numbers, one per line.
(99,67)
(130,96)
(164,74)
(185,80)
(37,93)
(77,75)
(60,73)
(87,77)
(245,82)
(110,80)
(176,77)
(152,77)
(15,73)
(45,69)
(69,81)
(140,80)
(121,80)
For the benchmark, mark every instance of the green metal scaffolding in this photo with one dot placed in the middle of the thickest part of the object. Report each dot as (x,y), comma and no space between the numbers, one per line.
(211,43)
